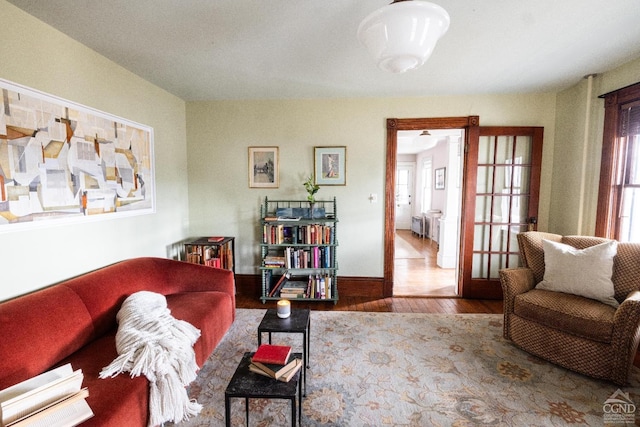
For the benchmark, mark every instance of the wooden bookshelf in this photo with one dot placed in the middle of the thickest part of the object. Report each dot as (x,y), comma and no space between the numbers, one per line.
(211,251)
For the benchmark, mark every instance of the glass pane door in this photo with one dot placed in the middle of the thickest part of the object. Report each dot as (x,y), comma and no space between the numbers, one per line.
(501,200)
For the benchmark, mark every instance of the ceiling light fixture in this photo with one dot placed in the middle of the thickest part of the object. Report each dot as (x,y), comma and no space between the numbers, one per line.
(402,35)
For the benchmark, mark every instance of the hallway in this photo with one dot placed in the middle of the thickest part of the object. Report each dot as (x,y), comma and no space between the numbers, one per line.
(415,270)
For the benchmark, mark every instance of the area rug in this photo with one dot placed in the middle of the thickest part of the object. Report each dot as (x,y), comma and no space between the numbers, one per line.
(397,369)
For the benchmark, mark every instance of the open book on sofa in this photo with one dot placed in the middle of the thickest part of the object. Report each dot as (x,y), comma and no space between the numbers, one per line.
(54,398)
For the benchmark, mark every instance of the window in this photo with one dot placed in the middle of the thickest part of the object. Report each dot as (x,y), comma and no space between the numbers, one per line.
(618,215)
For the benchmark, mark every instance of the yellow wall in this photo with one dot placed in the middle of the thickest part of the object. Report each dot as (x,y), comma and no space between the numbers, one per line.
(35,55)
(201,158)
(219,132)
(578,146)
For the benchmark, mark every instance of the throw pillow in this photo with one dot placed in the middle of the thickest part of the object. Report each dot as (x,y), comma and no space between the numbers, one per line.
(585,272)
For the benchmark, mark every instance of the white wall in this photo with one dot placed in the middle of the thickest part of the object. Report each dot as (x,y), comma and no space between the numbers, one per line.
(35,55)
(219,132)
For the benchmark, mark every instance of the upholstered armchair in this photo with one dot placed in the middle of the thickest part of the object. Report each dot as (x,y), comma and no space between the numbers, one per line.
(586,335)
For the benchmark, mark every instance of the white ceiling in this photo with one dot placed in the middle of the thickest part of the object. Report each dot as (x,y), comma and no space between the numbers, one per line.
(271,49)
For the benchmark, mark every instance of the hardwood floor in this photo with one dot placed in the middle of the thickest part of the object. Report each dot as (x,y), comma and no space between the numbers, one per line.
(416,272)
(395,304)
(420,286)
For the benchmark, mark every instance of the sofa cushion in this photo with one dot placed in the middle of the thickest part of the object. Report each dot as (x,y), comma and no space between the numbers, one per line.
(585,272)
(573,314)
(626,270)
(211,312)
(115,402)
(38,330)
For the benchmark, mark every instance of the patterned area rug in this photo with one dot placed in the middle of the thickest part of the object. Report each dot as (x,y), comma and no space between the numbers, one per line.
(392,369)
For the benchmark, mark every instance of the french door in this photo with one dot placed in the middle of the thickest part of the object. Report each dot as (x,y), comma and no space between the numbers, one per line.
(501,188)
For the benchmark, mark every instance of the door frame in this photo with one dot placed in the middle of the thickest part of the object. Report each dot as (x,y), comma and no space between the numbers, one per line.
(393,126)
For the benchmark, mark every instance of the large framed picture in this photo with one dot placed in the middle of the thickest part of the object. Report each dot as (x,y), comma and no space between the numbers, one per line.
(63,162)
(441,177)
(263,167)
(330,165)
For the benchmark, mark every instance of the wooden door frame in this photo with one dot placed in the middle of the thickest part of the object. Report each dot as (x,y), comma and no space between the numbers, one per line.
(393,126)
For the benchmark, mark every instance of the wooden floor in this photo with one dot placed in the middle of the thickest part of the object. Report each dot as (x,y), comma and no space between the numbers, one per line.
(395,304)
(416,272)
(419,276)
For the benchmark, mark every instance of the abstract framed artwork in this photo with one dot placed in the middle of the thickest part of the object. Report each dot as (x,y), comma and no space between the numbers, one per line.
(64,162)
(440,180)
(330,165)
(264,167)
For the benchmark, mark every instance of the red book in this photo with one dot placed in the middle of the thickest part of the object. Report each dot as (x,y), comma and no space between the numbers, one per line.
(272,354)
(216,239)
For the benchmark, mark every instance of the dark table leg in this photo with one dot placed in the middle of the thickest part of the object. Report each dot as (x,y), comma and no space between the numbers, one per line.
(246,409)
(227,411)
(293,411)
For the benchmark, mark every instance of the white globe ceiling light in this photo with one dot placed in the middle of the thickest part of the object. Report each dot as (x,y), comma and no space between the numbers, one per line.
(402,35)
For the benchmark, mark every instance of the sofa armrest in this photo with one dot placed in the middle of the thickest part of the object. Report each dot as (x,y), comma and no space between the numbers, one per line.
(516,281)
(626,335)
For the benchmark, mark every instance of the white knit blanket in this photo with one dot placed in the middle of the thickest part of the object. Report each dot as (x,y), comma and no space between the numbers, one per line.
(151,342)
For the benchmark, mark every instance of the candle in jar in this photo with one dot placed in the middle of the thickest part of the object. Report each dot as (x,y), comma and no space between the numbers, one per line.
(284,308)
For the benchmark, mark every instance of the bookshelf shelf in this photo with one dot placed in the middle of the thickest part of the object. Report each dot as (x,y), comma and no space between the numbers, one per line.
(298,250)
(212,251)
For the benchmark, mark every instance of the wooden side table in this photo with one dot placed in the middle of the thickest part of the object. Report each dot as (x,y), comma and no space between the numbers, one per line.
(249,385)
(299,322)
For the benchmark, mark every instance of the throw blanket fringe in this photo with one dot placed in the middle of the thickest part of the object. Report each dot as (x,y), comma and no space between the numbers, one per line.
(153,343)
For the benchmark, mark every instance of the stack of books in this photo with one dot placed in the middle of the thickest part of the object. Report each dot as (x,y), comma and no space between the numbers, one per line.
(273,361)
(55,398)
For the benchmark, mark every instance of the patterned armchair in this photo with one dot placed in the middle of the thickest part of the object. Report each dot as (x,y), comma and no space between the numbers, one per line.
(578,333)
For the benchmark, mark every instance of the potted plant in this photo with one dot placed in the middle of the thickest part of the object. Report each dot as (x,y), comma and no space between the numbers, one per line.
(312,188)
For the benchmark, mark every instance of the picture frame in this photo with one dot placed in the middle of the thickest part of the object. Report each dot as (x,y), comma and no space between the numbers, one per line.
(264,167)
(440,178)
(330,165)
(89,165)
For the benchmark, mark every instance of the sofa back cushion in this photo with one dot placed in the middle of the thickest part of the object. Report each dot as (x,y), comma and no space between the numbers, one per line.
(40,329)
(626,264)
(104,290)
(626,270)
(531,252)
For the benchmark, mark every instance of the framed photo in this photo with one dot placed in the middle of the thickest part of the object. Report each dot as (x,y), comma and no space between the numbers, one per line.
(441,177)
(264,167)
(330,165)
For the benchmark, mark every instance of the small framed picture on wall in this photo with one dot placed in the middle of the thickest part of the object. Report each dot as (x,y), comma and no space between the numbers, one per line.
(330,165)
(440,178)
(263,167)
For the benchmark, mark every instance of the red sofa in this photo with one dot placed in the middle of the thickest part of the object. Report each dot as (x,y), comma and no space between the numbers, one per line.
(75,322)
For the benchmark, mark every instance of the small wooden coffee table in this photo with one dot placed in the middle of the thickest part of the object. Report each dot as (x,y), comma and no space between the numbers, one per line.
(249,385)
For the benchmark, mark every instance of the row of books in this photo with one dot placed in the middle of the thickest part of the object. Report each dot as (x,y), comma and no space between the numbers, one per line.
(314,257)
(318,286)
(212,256)
(311,234)
(273,361)
(52,399)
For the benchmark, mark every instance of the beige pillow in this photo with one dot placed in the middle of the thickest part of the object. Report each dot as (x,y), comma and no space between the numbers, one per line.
(585,272)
